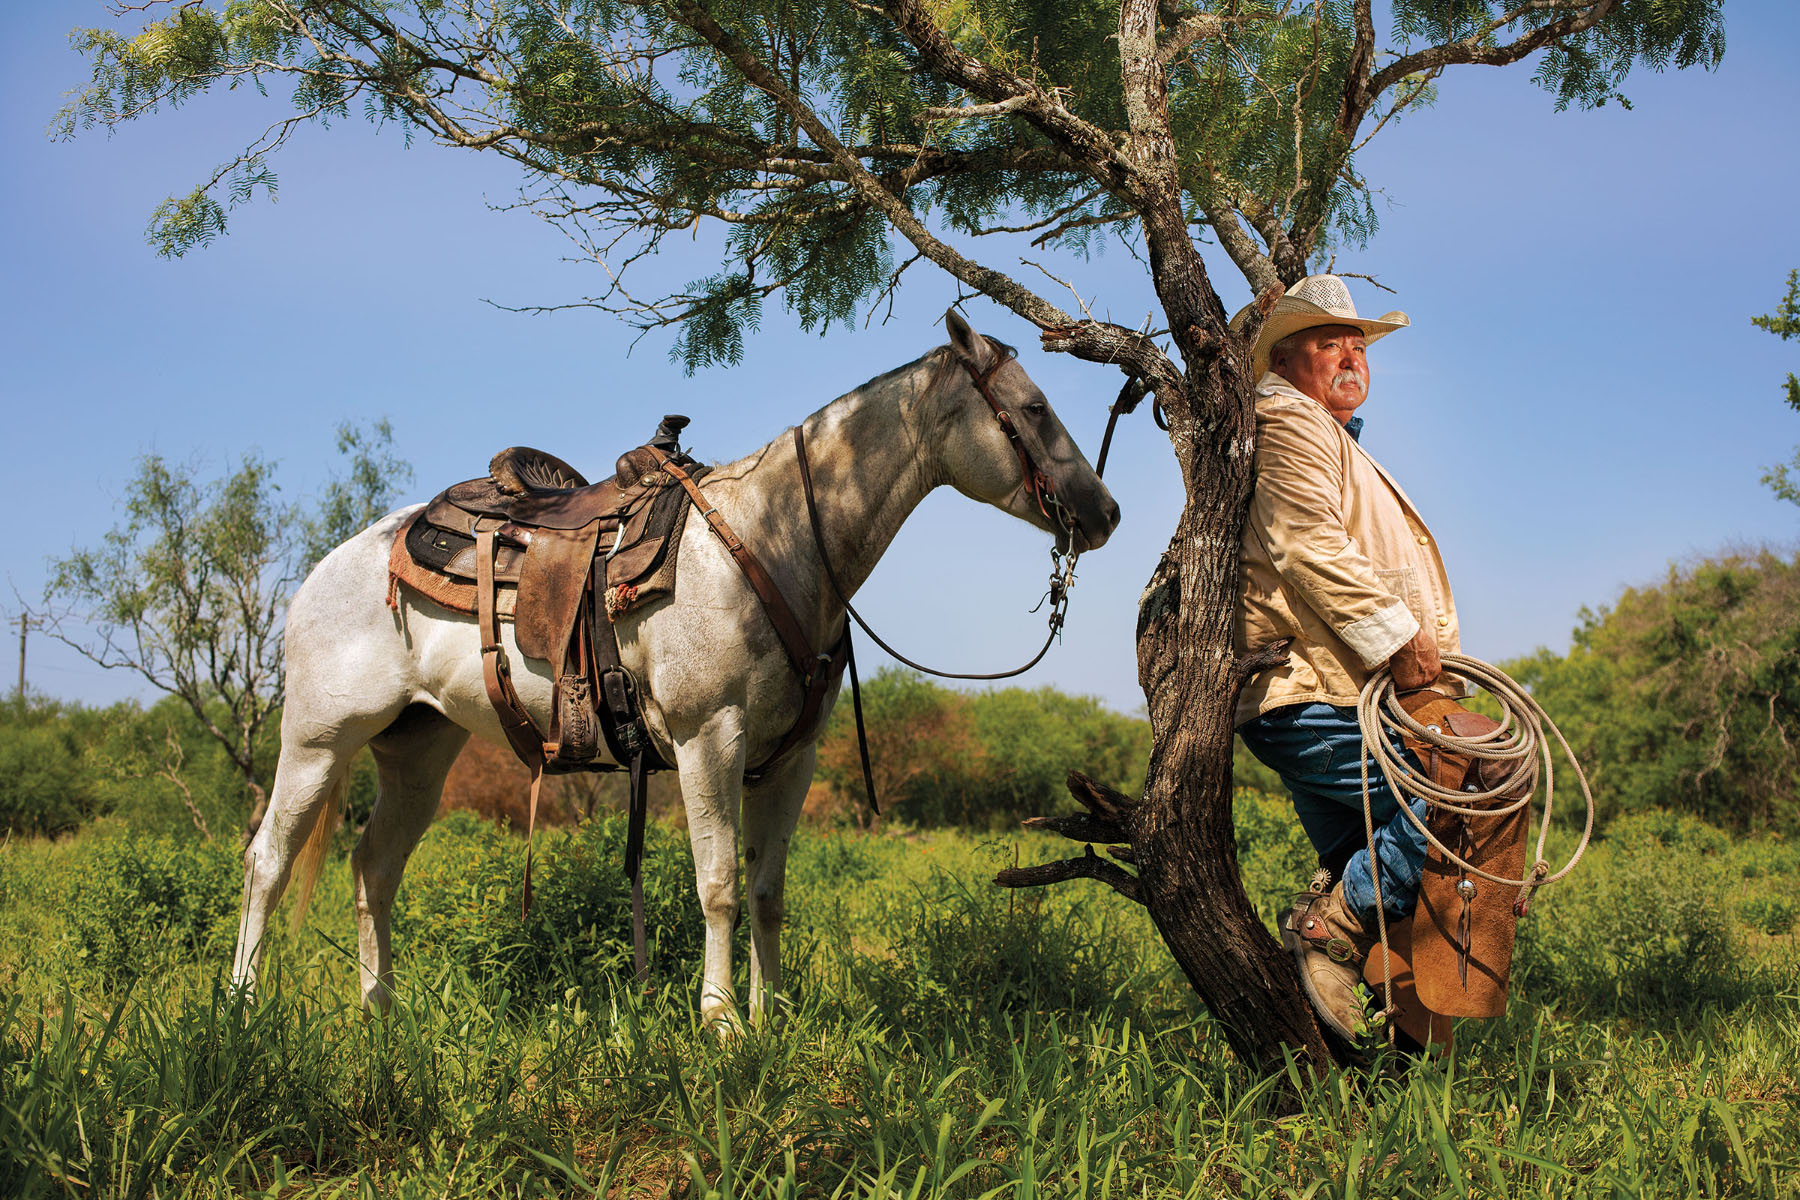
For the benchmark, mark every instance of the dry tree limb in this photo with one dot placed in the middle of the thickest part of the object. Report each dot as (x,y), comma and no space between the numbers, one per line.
(1108,820)
(1081,827)
(1088,866)
(1254,663)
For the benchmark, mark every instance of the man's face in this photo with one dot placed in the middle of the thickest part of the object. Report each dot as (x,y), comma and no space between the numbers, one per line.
(1330,364)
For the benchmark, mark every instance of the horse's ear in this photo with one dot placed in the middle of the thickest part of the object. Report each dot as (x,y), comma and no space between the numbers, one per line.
(968,345)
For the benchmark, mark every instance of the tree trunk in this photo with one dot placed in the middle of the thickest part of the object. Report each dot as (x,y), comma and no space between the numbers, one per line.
(1180,834)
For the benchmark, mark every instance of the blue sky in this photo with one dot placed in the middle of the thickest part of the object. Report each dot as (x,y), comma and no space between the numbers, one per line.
(1581,400)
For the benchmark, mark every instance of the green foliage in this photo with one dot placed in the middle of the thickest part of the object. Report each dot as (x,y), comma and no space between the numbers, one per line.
(1092,1072)
(154,770)
(136,903)
(978,758)
(44,788)
(374,478)
(1772,915)
(189,593)
(160,770)
(1784,478)
(1275,859)
(958,951)
(1033,738)
(1687,695)
(1644,929)
(649,130)
(460,904)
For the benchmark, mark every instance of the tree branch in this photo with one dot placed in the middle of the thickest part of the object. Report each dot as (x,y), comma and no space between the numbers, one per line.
(1088,144)
(1187,26)
(1476,49)
(1257,267)
(1088,866)
(986,280)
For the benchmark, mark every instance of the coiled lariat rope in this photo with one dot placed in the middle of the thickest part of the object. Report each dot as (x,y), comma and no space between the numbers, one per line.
(1519,739)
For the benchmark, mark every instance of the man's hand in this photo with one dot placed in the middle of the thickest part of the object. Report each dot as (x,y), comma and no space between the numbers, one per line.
(1416,665)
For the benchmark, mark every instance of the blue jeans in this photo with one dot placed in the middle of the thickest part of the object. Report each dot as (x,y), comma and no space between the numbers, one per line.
(1317,749)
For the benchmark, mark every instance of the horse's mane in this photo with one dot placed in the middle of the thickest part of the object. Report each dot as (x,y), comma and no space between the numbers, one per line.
(739,467)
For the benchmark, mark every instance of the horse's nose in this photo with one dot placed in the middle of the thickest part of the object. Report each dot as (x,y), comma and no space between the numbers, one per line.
(1111,511)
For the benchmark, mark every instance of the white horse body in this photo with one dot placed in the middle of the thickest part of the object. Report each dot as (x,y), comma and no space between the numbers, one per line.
(720,693)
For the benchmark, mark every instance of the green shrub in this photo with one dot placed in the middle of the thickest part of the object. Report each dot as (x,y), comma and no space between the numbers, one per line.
(984,759)
(1641,926)
(1773,915)
(137,902)
(158,771)
(1683,694)
(460,904)
(45,787)
(956,948)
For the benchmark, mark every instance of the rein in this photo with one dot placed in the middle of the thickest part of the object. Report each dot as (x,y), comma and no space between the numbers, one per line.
(1061,578)
(1062,568)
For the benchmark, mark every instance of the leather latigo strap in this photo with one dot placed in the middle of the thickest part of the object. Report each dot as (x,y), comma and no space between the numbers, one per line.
(515,722)
(521,731)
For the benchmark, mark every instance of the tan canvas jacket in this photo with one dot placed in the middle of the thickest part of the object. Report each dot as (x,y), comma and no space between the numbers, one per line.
(1335,557)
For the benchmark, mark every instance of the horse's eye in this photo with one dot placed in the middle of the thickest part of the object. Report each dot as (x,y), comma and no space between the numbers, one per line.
(1036,408)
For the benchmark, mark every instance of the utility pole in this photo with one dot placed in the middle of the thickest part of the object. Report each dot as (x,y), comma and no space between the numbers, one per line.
(24,629)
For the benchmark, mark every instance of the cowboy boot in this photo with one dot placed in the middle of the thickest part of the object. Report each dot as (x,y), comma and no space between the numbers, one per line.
(1329,945)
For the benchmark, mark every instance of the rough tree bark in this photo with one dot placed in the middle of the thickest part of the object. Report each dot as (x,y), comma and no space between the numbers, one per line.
(1180,836)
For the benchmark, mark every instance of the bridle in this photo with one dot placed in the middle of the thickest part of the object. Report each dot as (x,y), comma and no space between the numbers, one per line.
(1037,484)
(1062,566)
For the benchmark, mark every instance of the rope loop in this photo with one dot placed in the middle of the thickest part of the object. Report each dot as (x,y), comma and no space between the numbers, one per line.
(1518,740)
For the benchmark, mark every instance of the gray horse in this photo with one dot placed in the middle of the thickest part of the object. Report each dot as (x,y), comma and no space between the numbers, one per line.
(720,693)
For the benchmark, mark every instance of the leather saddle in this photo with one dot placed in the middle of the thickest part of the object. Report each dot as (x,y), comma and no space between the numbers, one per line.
(573,552)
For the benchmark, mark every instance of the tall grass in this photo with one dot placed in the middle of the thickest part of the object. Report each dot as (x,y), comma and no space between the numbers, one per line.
(942,1039)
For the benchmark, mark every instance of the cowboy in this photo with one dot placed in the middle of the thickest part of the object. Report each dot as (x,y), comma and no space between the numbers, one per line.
(1336,560)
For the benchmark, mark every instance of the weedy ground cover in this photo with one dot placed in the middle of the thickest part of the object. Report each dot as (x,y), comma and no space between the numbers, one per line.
(943,1038)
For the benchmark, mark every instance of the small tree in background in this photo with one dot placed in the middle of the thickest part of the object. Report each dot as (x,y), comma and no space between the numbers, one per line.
(190,591)
(1784,478)
(921,741)
(1686,694)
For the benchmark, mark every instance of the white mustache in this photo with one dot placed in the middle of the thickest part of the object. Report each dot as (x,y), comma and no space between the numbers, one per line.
(1343,377)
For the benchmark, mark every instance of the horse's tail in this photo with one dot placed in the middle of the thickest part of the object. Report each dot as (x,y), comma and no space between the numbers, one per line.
(310,862)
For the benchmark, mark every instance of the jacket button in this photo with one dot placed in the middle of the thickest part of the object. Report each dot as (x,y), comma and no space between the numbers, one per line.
(1443,621)
(1423,540)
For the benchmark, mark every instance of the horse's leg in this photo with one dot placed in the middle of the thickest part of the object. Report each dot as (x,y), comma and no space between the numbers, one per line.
(412,757)
(771,811)
(309,786)
(711,763)
(350,674)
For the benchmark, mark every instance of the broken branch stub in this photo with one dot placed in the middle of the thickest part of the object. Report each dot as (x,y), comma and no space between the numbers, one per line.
(1108,820)
(1088,866)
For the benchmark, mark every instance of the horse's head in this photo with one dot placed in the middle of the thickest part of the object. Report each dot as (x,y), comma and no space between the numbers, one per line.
(1003,444)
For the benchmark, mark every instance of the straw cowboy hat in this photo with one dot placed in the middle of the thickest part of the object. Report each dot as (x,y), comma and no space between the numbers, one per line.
(1315,300)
